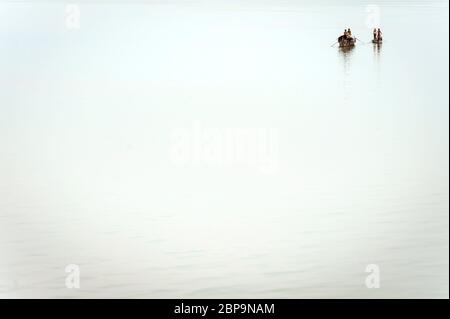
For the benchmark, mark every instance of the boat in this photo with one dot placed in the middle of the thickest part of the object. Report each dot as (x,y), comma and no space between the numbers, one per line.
(377,41)
(347,43)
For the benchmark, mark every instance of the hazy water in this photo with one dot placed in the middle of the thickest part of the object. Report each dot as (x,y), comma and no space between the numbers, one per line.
(86,175)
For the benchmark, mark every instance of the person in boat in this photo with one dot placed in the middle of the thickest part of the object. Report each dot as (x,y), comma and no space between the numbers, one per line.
(343,37)
(379,35)
(375,35)
(349,33)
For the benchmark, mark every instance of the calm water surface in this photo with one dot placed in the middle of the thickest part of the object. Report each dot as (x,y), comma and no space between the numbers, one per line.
(87,178)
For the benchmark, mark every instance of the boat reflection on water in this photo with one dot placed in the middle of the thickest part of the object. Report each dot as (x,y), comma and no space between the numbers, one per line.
(346,54)
(377,47)
(346,51)
(377,58)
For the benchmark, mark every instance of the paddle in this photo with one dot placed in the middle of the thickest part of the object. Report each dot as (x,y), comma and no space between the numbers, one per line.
(335,43)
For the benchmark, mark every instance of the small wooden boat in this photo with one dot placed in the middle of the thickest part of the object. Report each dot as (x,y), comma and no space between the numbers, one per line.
(347,43)
(377,41)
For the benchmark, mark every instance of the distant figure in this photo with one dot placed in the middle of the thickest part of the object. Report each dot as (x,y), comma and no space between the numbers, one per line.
(375,36)
(379,35)
(349,33)
(343,37)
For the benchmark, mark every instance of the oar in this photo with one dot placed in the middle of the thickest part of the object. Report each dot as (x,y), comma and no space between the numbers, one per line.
(335,43)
